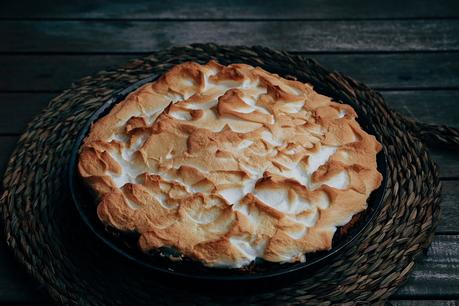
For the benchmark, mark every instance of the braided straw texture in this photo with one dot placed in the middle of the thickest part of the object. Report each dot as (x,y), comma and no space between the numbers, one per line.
(48,237)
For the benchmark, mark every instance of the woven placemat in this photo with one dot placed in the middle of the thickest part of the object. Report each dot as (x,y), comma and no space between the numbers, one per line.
(48,237)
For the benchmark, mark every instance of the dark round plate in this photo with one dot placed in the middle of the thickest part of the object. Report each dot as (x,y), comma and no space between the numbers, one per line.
(126,243)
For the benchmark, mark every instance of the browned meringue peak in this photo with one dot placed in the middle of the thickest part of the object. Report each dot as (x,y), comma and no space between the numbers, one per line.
(230,163)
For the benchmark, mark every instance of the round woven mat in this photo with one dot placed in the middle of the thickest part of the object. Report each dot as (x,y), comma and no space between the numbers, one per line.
(47,235)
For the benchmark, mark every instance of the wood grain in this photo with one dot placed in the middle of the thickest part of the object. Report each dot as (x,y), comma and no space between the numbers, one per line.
(239,9)
(447,161)
(449,218)
(437,274)
(430,106)
(7,144)
(423,302)
(19,108)
(145,36)
(382,71)
(53,72)
(16,286)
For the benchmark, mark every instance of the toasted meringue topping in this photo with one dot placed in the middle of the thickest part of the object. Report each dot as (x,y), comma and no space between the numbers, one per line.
(230,163)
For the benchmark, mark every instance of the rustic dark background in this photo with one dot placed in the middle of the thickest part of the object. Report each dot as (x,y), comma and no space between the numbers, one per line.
(408,50)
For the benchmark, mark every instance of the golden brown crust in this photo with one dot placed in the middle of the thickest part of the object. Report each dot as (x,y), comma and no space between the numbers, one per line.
(229,163)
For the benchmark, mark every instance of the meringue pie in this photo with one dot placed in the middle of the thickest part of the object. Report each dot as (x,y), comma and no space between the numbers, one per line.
(226,164)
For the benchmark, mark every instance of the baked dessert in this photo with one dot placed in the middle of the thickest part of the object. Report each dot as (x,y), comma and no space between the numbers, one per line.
(226,164)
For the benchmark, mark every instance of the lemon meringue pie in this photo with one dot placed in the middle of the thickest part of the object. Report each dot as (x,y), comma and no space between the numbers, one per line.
(226,164)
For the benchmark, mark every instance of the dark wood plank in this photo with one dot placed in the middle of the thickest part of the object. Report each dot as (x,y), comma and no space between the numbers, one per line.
(145,36)
(430,106)
(19,108)
(396,71)
(53,72)
(437,274)
(16,286)
(208,9)
(401,71)
(7,144)
(423,302)
(449,218)
(447,161)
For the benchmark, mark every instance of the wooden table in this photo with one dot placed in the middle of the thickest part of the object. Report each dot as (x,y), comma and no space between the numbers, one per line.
(408,50)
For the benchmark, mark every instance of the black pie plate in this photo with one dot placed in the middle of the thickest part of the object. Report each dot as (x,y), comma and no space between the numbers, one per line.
(260,274)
